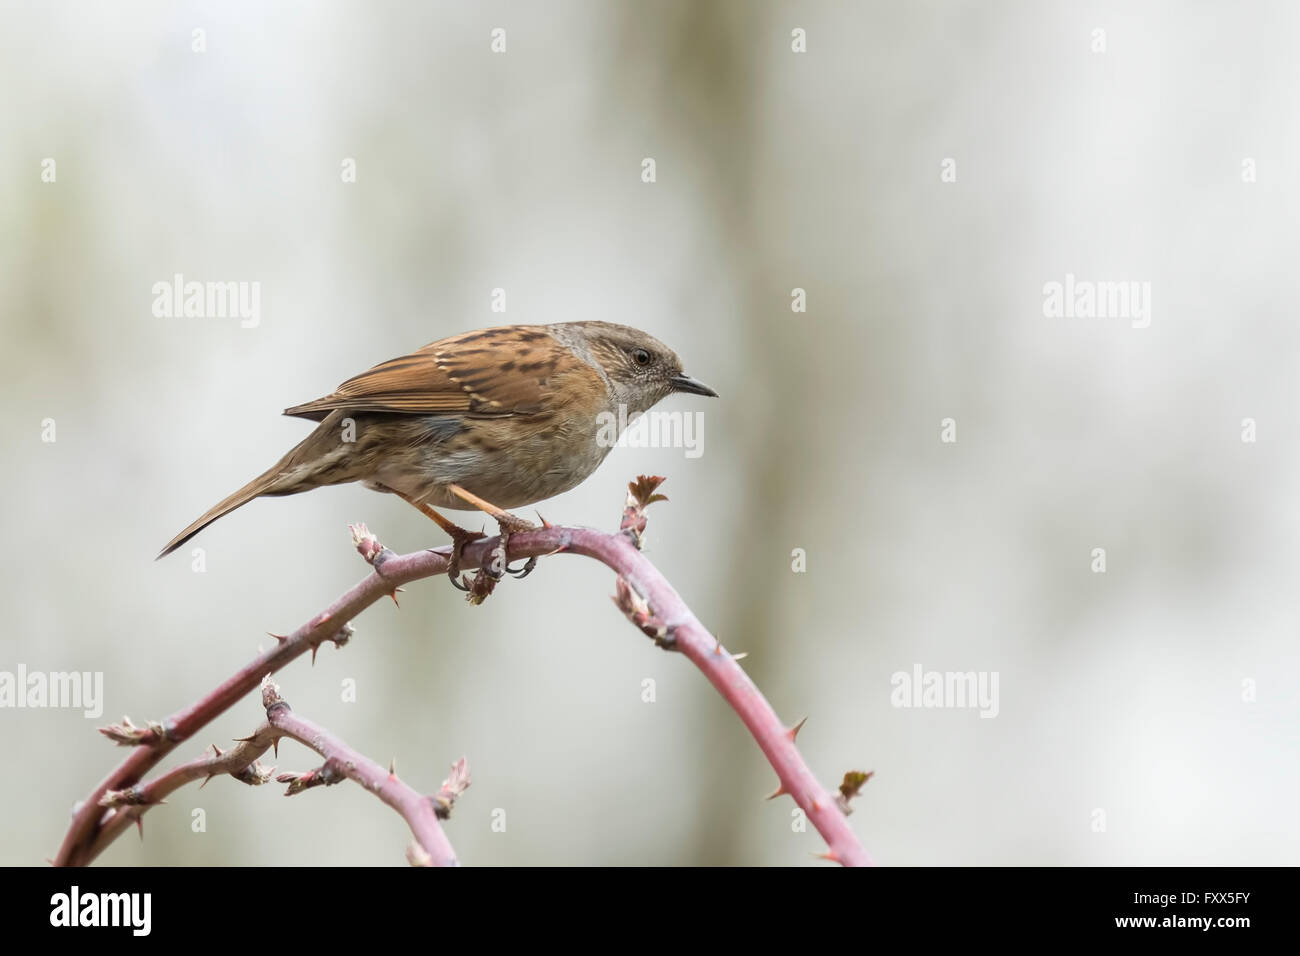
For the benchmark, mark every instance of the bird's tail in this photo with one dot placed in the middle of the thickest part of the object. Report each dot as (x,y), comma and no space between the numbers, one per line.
(259,486)
(319,459)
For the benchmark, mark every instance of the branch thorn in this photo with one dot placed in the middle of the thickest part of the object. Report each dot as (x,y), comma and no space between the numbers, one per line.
(793,732)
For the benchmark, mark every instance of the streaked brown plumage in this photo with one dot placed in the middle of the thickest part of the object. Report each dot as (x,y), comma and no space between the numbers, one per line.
(509,415)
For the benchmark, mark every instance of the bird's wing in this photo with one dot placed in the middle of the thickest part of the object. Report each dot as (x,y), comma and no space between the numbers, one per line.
(488,373)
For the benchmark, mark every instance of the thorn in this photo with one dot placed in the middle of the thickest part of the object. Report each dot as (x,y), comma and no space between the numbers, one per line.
(741,656)
(778,792)
(828,855)
(314,649)
(275,746)
(205,780)
(718,649)
(793,732)
(279,637)
(393,594)
(139,825)
(216,751)
(545,523)
(392,769)
(816,807)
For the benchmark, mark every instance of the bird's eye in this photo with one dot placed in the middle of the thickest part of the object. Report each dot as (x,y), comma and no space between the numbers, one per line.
(641,357)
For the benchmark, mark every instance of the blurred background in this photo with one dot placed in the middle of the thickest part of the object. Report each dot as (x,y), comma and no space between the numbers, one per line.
(920,171)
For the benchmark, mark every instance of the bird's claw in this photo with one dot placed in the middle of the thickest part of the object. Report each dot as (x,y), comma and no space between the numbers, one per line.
(521,573)
(459,538)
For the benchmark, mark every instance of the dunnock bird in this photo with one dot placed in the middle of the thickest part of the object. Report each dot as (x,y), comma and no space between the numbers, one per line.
(493,419)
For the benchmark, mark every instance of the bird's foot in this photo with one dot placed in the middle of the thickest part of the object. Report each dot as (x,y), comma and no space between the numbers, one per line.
(497,564)
(459,538)
(494,569)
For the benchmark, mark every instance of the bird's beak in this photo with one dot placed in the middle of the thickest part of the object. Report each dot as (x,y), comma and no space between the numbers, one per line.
(684,383)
